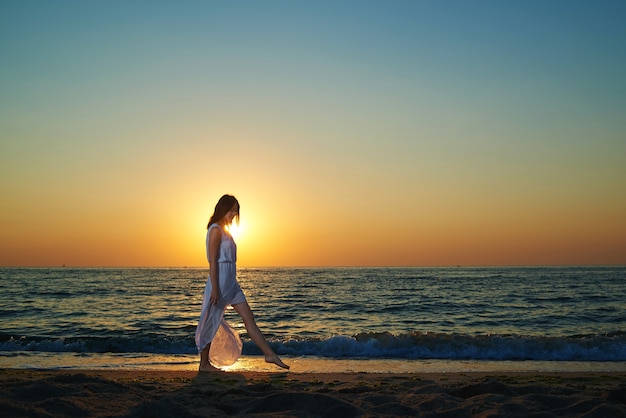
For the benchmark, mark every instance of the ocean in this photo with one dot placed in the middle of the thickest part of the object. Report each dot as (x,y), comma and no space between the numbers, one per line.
(322,319)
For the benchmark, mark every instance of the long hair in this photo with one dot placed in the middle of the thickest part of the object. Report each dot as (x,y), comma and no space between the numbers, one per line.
(224,205)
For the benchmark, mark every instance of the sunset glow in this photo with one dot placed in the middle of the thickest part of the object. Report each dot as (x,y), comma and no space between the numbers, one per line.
(236,230)
(352,133)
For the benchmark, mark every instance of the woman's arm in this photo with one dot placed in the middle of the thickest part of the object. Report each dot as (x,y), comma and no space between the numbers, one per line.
(215,239)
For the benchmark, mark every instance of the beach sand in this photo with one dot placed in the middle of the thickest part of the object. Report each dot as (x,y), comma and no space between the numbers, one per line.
(138,393)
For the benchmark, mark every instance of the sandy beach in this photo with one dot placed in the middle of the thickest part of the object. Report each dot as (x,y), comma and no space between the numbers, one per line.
(132,393)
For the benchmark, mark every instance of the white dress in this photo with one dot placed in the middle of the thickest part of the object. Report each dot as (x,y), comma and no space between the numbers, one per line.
(212,328)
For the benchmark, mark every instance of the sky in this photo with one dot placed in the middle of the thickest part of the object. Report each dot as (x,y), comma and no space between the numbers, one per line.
(353,133)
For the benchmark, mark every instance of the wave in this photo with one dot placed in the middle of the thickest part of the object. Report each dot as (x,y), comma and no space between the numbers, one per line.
(408,346)
(416,346)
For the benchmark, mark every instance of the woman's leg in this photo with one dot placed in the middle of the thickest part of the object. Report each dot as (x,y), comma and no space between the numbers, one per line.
(243,309)
(205,364)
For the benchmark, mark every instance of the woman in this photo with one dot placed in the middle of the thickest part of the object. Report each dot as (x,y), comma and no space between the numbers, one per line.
(217,342)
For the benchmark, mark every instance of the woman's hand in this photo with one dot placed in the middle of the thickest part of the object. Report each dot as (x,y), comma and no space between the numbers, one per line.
(215,295)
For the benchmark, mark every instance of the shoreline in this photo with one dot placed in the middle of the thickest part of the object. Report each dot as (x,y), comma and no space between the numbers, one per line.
(135,393)
(301,364)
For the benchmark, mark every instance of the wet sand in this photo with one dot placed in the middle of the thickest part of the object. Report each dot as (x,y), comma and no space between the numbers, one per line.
(133,393)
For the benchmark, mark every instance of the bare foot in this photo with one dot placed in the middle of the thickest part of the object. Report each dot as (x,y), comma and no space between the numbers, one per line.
(277,361)
(208,367)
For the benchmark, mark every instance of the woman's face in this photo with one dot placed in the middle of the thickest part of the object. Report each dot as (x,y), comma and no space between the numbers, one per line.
(231,214)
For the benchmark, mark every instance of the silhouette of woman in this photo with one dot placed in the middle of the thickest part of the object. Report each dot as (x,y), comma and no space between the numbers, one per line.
(217,343)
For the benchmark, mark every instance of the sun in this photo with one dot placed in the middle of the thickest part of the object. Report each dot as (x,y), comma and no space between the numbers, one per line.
(235,230)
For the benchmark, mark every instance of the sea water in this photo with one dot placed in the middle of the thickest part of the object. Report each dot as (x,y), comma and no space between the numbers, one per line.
(323,319)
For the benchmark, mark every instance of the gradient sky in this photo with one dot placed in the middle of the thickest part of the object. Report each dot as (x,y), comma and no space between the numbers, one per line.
(422,133)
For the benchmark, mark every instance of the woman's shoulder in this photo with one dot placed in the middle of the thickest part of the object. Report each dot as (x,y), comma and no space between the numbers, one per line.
(215,229)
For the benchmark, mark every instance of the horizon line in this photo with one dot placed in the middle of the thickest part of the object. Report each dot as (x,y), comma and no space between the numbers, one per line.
(316,266)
